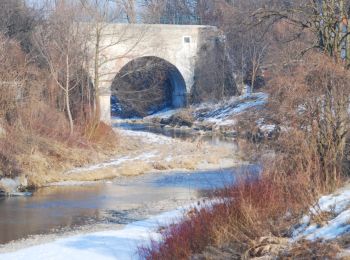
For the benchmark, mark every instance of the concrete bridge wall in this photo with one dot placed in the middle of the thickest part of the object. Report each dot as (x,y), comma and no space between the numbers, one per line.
(122,43)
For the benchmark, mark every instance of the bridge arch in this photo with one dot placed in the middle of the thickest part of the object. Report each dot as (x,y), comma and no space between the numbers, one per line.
(177,44)
(145,85)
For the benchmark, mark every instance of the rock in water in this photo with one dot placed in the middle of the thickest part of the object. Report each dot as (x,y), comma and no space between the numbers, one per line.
(8,185)
(11,186)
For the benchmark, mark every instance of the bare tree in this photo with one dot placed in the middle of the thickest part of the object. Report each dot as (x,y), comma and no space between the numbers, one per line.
(17,21)
(130,10)
(13,68)
(101,15)
(153,10)
(327,20)
(171,11)
(311,100)
(61,44)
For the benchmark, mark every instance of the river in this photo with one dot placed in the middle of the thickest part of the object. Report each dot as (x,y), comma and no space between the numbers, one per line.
(121,201)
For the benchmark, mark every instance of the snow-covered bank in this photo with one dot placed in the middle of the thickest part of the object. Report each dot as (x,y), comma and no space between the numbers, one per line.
(165,113)
(119,244)
(114,162)
(147,137)
(328,219)
(218,114)
(143,152)
(222,113)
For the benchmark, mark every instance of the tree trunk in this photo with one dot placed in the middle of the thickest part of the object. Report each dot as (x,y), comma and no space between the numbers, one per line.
(96,76)
(130,9)
(69,112)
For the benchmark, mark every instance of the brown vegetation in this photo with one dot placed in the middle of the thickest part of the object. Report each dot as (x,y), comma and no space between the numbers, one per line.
(309,102)
(183,118)
(248,211)
(37,86)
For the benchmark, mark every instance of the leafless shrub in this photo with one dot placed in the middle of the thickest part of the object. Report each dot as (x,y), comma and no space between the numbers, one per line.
(32,120)
(310,102)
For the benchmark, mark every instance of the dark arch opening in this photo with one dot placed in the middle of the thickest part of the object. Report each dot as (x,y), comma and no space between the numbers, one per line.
(147,85)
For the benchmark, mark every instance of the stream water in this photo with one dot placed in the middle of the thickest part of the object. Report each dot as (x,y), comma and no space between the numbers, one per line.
(124,200)
(179,133)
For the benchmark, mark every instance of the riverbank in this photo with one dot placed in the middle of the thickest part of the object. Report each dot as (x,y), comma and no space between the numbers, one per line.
(142,152)
(258,220)
(327,238)
(220,118)
(136,153)
(122,243)
(105,206)
(56,163)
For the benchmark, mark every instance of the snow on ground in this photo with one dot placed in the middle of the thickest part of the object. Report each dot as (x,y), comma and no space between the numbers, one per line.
(114,162)
(165,113)
(147,136)
(73,183)
(114,244)
(222,112)
(338,205)
(219,113)
(265,127)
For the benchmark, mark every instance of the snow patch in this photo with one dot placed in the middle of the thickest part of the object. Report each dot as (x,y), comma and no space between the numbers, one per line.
(147,136)
(113,163)
(165,113)
(11,186)
(222,112)
(219,113)
(339,205)
(119,244)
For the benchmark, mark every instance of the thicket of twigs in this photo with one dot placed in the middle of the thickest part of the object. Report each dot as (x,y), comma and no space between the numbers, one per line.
(309,102)
(303,49)
(33,107)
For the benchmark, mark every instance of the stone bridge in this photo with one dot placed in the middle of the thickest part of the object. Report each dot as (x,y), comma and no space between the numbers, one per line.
(177,45)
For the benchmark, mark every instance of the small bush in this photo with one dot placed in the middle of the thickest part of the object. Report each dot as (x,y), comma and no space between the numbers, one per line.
(308,158)
(182,118)
(100,133)
(311,250)
(247,211)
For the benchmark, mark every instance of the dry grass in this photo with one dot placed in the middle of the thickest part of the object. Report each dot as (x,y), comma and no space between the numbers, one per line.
(40,147)
(34,132)
(183,118)
(43,159)
(255,217)
(248,212)
(311,250)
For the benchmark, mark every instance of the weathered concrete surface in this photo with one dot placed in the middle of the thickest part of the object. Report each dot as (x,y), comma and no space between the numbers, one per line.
(176,44)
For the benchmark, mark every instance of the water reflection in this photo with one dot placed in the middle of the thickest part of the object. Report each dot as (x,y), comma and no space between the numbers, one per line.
(183,134)
(123,201)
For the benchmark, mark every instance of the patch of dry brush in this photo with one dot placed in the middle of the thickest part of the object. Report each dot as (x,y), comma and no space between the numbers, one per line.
(255,217)
(34,131)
